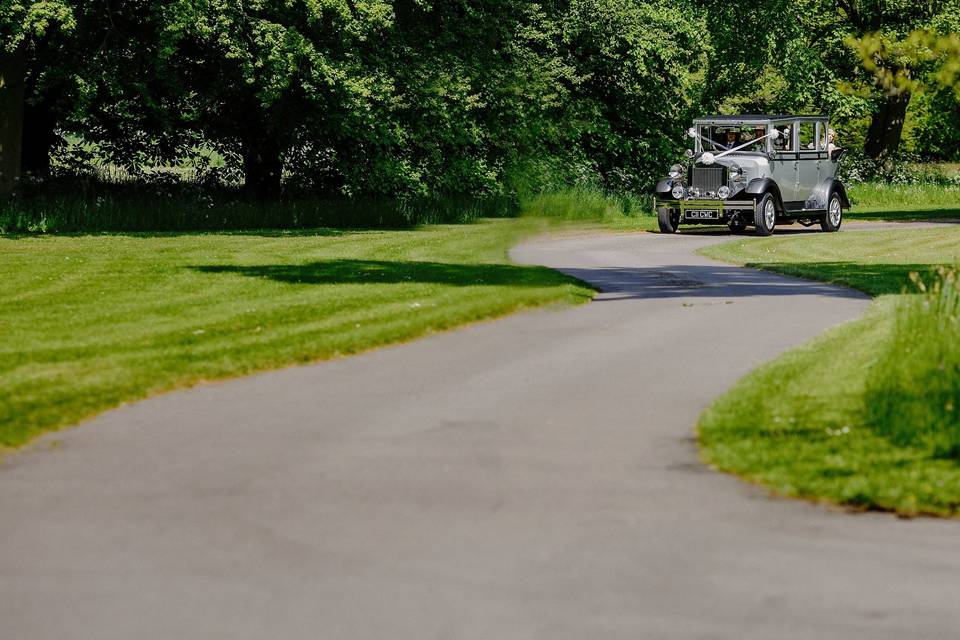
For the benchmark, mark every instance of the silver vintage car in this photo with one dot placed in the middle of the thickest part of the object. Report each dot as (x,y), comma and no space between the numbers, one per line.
(755,170)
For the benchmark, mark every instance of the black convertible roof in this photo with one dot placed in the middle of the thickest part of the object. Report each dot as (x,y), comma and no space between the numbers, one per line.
(759,117)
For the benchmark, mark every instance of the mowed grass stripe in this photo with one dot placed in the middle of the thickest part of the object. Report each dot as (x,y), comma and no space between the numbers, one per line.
(93,321)
(808,424)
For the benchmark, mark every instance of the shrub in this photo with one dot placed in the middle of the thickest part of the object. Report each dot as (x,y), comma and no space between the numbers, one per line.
(856,167)
(164,204)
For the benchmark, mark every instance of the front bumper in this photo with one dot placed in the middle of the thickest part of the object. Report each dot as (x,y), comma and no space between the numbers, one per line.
(724,209)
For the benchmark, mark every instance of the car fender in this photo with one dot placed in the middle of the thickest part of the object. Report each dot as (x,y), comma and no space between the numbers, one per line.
(664,188)
(757,187)
(832,185)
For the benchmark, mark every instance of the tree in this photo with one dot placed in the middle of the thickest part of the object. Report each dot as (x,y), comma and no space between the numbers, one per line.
(640,79)
(895,41)
(800,53)
(12,71)
(20,24)
(260,73)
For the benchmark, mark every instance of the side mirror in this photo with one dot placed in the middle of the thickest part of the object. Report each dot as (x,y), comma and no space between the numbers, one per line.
(692,132)
(688,153)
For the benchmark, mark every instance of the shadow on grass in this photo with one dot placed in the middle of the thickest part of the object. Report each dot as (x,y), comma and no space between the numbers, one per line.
(348,271)
(698,281)
(875,279)
(252,233)
(625,282)
(944,215)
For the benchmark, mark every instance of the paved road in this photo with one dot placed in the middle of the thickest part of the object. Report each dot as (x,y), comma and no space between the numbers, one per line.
(533,477)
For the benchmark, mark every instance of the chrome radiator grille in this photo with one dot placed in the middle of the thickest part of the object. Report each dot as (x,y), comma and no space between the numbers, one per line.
(708,178)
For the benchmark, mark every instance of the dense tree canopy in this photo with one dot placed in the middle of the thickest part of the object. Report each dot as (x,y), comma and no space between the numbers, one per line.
(859,60)
(484,97)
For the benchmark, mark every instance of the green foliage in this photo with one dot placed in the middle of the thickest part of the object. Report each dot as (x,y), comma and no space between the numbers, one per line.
(895,62)
(833,57)
(21,20)
(407,98)
(936,132)
(488,98)
(640,68)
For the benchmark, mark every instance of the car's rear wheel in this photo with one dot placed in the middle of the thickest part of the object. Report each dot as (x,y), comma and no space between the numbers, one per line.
(833,218)
(668,219)
(765,216)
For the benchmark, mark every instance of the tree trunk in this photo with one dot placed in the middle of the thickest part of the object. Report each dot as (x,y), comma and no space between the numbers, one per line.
(886,127)
(262,167)
(39,136)
(12,72)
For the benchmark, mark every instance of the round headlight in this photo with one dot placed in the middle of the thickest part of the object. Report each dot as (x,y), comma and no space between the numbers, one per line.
(678,191)
(735,173)
(723,192)
(676,171)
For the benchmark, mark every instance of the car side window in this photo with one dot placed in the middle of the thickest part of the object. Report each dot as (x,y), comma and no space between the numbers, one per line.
(783,142)
(808,136)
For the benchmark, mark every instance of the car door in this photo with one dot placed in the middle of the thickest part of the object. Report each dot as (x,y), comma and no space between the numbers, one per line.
(783,161)
(808,162)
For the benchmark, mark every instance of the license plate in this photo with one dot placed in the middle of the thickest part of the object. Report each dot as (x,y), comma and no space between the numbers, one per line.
(703,214)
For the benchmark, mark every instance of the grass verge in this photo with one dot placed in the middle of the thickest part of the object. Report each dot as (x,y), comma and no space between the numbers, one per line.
(92,321)
(865,415)
(880,201)
(593,206)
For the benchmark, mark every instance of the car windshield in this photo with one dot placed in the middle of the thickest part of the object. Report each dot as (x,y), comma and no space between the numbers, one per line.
(717,137)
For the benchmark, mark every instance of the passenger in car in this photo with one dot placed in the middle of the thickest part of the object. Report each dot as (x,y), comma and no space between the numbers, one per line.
(783,142)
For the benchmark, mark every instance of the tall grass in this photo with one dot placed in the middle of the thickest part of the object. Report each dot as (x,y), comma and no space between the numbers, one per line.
(171,205)
(78,206)
(903,197)
(913,396)
(586,204)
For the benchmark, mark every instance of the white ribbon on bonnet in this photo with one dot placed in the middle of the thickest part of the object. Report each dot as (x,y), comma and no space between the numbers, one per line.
(709,158)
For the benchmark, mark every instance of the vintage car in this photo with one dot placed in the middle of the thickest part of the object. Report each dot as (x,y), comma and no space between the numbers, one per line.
(755,170)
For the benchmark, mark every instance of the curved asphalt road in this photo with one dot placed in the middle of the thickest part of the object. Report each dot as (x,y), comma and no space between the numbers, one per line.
(533,477)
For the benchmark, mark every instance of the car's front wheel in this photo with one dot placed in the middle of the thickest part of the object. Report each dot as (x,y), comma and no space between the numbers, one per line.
(765,216)
(668,219)
(833,218)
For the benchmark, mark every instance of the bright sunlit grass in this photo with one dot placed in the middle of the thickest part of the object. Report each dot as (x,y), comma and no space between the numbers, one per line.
(866,415)
(96,320)
(877,201)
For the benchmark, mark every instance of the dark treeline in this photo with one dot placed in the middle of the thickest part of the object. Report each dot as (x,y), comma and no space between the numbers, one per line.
(479,97)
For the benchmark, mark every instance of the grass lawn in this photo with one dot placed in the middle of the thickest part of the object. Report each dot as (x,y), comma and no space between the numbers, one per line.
(873,201)
(865,415)
(92,321)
